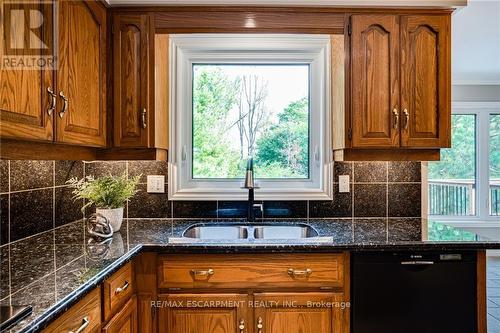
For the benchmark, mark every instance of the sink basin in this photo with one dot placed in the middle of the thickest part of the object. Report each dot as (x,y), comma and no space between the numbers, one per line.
(249,232)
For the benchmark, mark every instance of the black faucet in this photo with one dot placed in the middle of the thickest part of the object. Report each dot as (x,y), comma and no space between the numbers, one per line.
(250,185)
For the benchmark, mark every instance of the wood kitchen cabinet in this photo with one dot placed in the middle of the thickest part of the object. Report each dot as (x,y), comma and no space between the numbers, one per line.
(81,78)
(64,103)
(124,321)
(400,84)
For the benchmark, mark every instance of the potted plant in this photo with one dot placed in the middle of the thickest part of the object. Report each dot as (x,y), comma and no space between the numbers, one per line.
(108,194)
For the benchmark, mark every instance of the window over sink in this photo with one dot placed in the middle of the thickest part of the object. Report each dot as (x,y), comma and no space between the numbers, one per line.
(236,97)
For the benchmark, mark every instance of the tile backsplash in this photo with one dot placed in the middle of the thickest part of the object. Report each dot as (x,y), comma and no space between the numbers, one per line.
(385,198)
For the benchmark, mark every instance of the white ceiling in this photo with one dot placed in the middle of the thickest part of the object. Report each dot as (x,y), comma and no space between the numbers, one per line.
(476,43)
(351,3)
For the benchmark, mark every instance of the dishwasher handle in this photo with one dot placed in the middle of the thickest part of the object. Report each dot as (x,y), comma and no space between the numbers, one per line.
(417,263)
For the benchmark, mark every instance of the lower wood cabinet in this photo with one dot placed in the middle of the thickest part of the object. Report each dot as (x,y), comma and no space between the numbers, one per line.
(125,321)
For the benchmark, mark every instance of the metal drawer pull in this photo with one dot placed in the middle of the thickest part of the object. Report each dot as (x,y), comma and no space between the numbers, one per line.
(202,273)
(407,118)
(122,289)
(85,323)
(53,101)
(396,118)
(259,325)
(417,262)
(65,105)
(297,273)
(242,326)
(143,118)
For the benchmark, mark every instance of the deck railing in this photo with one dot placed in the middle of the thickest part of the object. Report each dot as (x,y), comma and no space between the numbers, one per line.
(458,197)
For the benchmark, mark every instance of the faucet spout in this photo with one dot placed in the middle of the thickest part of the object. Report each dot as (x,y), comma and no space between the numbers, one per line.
(250,185)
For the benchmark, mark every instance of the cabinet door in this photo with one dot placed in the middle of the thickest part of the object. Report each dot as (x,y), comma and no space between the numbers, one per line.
(426,81)
(81,81)
(204,313)
(375,81)
(299,313)
(130,80)
(124,321)
(26,106)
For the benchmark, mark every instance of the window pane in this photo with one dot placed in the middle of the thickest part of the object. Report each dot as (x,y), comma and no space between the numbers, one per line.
(242,110)
(452,181)
(494,165)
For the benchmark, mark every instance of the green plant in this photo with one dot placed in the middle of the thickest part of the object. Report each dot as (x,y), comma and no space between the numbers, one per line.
(105,192)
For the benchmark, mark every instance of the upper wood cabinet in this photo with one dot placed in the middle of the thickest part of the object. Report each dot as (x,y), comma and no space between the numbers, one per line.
(400,81)
(64,103)
(131,61)
(375,77)
(27,107)
(81,79)
(425,81)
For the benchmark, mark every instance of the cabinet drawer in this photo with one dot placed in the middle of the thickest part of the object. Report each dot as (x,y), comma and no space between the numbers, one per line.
(118,289)
(85,315)
(244,271)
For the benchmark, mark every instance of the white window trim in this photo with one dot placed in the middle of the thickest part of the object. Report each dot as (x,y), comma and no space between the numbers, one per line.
(482,110)
(186,49)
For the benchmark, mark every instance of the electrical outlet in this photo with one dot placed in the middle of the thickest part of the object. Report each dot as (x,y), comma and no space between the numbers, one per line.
(156,184)
(344,184)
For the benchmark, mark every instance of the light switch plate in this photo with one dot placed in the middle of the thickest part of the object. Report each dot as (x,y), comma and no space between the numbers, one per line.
(344,184)
(156,184)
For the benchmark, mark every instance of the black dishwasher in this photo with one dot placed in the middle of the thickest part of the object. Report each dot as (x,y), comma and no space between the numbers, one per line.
(428,292)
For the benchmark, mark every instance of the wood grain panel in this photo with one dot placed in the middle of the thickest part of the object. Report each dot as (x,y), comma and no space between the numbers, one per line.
(482,325)
(88,308)
(27,150)
(203,313)
(300,312)
(131,80)
(113,298)
(375,91)
(81,73)
(24,100)
(426,85)
(397,154)
(145,277)
(247,271)
(161,85)
(124,321)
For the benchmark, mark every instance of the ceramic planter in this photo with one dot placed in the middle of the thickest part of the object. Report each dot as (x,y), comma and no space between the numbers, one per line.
(114,217)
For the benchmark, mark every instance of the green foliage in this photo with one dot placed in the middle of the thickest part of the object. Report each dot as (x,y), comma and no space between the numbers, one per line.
(495,147)
(107,192)
(442,232)
(285,145)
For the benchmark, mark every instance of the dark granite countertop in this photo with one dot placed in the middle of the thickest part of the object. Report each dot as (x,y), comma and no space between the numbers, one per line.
(53,270)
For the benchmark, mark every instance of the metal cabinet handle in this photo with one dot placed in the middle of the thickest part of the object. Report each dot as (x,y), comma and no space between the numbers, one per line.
(242,326)
(297,273)
(65,105)
(407,118)
(395,112)
(202,273)
(83,326)
(122,289)
(259,325)
(53,101)
(143,118)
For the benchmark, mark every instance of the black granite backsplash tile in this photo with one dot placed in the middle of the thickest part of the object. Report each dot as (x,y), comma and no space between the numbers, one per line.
(4,219)
(405,200)
(340,206)
(37,247)
(342,168)
(31,212)
(67,209)
(26,175)
(370,230)
(195,209)
(370,200)
(65,170)
(370,172)
(405,172)
(4,272)
(285,209)
(234,209)
(4,176)
(100,169)
(151,205)
(404,229)
(145,168)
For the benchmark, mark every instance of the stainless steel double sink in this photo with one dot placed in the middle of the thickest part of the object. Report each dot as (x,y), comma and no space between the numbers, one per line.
(240,232)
